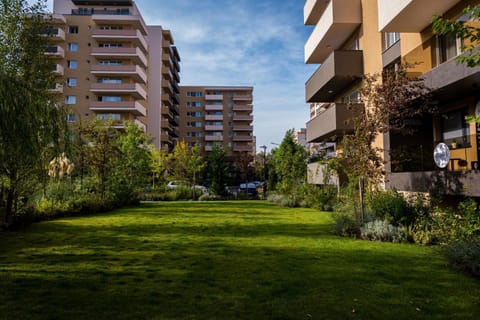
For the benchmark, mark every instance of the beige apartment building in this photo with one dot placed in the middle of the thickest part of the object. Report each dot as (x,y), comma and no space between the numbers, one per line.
(356,37)
(218,115)
(116,67)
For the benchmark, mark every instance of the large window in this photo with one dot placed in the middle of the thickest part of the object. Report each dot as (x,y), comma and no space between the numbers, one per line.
(70,99)
(72,82)
(109,116)
(110,99)
(389,39)
(73,46)
(455,130)
(72,64)
(449,46)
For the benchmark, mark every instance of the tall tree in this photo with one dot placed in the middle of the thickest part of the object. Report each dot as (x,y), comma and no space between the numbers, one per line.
(30,118)
(217,169)
(290,162)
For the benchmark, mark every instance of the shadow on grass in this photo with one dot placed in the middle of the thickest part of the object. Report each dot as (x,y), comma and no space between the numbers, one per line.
(222,266)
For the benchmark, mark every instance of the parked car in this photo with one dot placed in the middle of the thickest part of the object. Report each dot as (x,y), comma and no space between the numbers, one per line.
(177,183)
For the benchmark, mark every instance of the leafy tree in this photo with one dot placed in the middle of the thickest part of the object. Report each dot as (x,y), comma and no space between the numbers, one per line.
(469,32)
(130,173)
(30,119)
(217,169)
(388,100)
(290,163)
(186,163)
(158,164)
(99,150)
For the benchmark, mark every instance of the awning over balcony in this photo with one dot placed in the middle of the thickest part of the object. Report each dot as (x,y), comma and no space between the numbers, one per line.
(337,72)
(410,15)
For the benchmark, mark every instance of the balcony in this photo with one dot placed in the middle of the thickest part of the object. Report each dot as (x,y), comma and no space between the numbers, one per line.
(57,89)
(58,70)
(456,183)
(113,18)
(247,107)
(242,128)
(213,117)
(208,148)
(313,10)
(214,97)
(242,97)
(58,19)
(242,118)
(123,88)
(243,138)
(332,121)
(167,86)
(338,22)
(246,148)
(136,72)
(452,79)
(55,34)
(213,107)
(339,70)
(213,128)
(135,54)
(213,138)
(140,124)
(410,15)
(55,51)
(133,35)
(134,107)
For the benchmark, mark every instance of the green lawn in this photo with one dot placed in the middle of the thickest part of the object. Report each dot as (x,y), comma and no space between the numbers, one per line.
(224,260)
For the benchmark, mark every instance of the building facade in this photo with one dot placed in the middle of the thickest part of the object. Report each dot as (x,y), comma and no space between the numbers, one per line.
(352,38)
(218,116)
(116,67)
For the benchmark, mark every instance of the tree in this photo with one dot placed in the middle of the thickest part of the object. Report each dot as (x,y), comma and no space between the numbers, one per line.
(30,119)
(130,173)
(186,163)
(470,34)
(290,162)
(217,169)
(158,164)
(389,100)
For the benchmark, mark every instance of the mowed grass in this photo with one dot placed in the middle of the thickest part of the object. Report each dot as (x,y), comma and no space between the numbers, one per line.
(222,260)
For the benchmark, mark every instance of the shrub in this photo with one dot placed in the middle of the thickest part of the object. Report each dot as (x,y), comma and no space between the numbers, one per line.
(465,256)
(392,207)
(346,225)
(209,197)
(282,200)
(381,230)
(319,197)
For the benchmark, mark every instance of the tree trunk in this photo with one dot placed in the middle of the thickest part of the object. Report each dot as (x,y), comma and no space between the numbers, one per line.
(362,202)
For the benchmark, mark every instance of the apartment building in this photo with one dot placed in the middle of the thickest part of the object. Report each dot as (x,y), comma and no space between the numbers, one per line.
(352,38)
(218,115)
(116,67)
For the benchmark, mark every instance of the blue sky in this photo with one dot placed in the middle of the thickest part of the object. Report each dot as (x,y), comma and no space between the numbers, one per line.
(243,42)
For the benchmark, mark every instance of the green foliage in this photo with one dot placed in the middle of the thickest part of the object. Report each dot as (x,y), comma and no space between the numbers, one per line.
(382,230)
(289,161)
(346,225)
(217,170)
(449,225)
(210,197)
(392,207)
(31,120)
(465,256)
(319,197)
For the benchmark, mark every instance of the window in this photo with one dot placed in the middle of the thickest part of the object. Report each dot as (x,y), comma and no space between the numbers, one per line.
(109,116)
(194,114)
(73,29)
(85,11)
(110,81)
(449,46)
(70,99)
(111,27)
(72,64)
(110,62)
(73,46)
(194,104)
(194,94)
(390,38)
(72,82)
(455,130)
(194,124)
(123,11)
(110,98)
(110,45)
(71,117)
